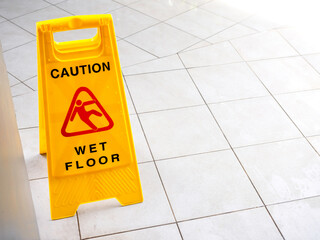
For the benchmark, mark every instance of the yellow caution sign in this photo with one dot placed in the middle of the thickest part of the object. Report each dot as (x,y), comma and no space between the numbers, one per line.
(83,118)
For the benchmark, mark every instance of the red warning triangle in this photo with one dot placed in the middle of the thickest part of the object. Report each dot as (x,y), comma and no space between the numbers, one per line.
(79,110)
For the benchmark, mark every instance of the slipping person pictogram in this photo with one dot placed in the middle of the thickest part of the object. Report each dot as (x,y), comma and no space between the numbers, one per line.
(78,107)
(83,114)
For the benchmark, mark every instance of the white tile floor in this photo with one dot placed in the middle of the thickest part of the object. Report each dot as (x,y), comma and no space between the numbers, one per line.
(224,108)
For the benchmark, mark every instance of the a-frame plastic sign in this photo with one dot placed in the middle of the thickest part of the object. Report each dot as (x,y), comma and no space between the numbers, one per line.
(83,118)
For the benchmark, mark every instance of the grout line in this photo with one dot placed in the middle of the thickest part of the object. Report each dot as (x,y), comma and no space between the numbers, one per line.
(219,214)
(235,155)
(140,48)
(168,109)
(28,128)
(126,231)
(175,219)
(34,40)
(294,200)
(78,224)
(35,179)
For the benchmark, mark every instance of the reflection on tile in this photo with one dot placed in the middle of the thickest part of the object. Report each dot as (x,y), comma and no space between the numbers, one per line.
(14,8)
(253,121)
(106,217)
(161,10)
(127,21)
(262,46)
(227,82)
(157,65)
(303,108)
(303,40)
(79,7)
(140,144)
(283,171)
(181,132)
(156,233)
(66,228)
(12,36)
(36,163)
(219,53)
(29,21)
(231,33)
(163,90)
(200,23)
(21,62)
(26,108)
(286,74)
(204,178)
(250,224)
(154,41)
(298,220)
(20,89)
(130,55)
(229,9)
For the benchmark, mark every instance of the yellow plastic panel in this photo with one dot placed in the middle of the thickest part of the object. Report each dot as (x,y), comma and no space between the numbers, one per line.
(83,118)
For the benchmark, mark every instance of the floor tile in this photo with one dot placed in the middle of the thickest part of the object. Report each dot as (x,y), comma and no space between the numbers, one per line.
(250,225)
(20,89)
(314,60)
(220,53)
(182,132)
(253,121)
(156,233)
(196,185)
(200,23)
(262,46)
(79,7)
(227,82)
(231,33)
(130,55)
(126,2)
(304,41)
(298,220)
(140,144)
(286,74)
(303,108)
(261,23)
(66,228)
(282,171)
(163,90)
(127,21)
(32,83)
(36,163)
(12,36)
(12,80)
(74,34)
(157,65)
(29,21)
(14,8)
(228,9)
(156,42)
(161,10)
(26,108)
(106,217)
(55,1)
(24,66)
